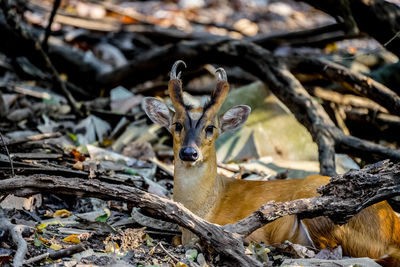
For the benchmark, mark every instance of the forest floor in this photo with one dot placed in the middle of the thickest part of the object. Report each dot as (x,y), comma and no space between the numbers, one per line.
(115,142)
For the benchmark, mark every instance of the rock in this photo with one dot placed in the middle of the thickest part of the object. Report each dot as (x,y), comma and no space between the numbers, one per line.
(20,114)
(271,129)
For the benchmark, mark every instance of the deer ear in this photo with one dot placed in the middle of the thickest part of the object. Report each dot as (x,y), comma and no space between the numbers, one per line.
(157,111)
(234,118)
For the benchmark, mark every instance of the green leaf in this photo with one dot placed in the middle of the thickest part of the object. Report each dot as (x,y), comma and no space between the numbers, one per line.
(131,171)
(191,254)
(37,241)
(103,218)
(149,241)
(72,136)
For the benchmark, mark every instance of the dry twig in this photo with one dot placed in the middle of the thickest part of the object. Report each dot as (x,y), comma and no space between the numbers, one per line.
(55,255)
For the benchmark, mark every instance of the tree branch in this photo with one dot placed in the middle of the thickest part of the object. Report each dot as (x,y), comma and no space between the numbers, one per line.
(341,199)
(47,33)
(356,82)
(16,235)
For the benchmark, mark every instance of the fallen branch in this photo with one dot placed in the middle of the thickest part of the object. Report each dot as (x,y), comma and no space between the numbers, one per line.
(344,197)
(346,99)
(354,81)
(222,241)
(55,255)
(16,235)
(317,37)
(17,141)
(382,121)
(380,19)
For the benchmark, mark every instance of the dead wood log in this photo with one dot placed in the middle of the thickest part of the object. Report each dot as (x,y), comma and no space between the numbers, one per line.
(222,241)
(356,82)
(341,199)
(15,231)
(269,69)
(317,37)
(380,120)
(380,19)
(346,99)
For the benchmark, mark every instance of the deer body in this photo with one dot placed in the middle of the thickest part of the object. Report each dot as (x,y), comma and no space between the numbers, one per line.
(374,232)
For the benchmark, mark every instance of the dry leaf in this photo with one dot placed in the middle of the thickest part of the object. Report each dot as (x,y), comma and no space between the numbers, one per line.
(56,246)
(62,213)
(78,165)
(72,239)
(111,247)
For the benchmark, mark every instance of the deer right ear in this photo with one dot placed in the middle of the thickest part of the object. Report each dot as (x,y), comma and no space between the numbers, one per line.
(157,111)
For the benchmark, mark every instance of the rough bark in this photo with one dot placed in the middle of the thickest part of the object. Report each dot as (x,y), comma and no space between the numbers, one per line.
(356,82)
(15,231)
(341,199)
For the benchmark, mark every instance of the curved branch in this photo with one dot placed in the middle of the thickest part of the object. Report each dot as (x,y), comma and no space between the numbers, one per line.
(16,235)
(344,197)
(222,241)
(356,82)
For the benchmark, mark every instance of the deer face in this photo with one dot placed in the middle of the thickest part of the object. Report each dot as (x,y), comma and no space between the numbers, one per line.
(195,129)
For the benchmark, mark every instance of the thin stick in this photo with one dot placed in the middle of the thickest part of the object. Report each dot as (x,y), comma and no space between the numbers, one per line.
(57,254)
(8,155)
(36,137)
(169,254)
(47,33)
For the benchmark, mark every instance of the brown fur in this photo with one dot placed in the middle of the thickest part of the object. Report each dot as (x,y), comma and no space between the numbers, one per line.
(176,94)
(217,98)
(374,232)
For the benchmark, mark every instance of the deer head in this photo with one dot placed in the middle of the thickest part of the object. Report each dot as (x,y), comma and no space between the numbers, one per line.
(195,129)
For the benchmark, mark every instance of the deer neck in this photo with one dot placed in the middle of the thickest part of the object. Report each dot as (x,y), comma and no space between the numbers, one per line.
(197,187)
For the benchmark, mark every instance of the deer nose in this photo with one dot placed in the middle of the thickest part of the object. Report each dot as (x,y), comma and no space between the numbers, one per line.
(188,154)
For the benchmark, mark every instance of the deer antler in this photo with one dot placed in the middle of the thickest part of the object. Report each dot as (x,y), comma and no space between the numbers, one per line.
(219,94)
(175,87)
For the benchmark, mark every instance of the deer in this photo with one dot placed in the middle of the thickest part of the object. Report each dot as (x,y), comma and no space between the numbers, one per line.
(374,232)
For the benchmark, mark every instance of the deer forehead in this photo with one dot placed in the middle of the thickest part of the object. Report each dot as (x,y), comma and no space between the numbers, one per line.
(195,113)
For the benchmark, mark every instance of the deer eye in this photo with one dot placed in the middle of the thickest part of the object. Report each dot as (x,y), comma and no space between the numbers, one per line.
(209,130)
(178,127)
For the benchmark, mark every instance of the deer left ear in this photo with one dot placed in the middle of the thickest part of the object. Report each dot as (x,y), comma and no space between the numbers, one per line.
(157,111)
(233,118)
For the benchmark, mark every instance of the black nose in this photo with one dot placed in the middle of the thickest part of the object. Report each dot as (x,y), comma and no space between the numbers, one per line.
(188,154)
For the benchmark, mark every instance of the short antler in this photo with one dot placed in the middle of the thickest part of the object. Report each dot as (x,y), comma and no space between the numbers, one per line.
(221,74)
(175,67)
(219,94)
(175,87)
